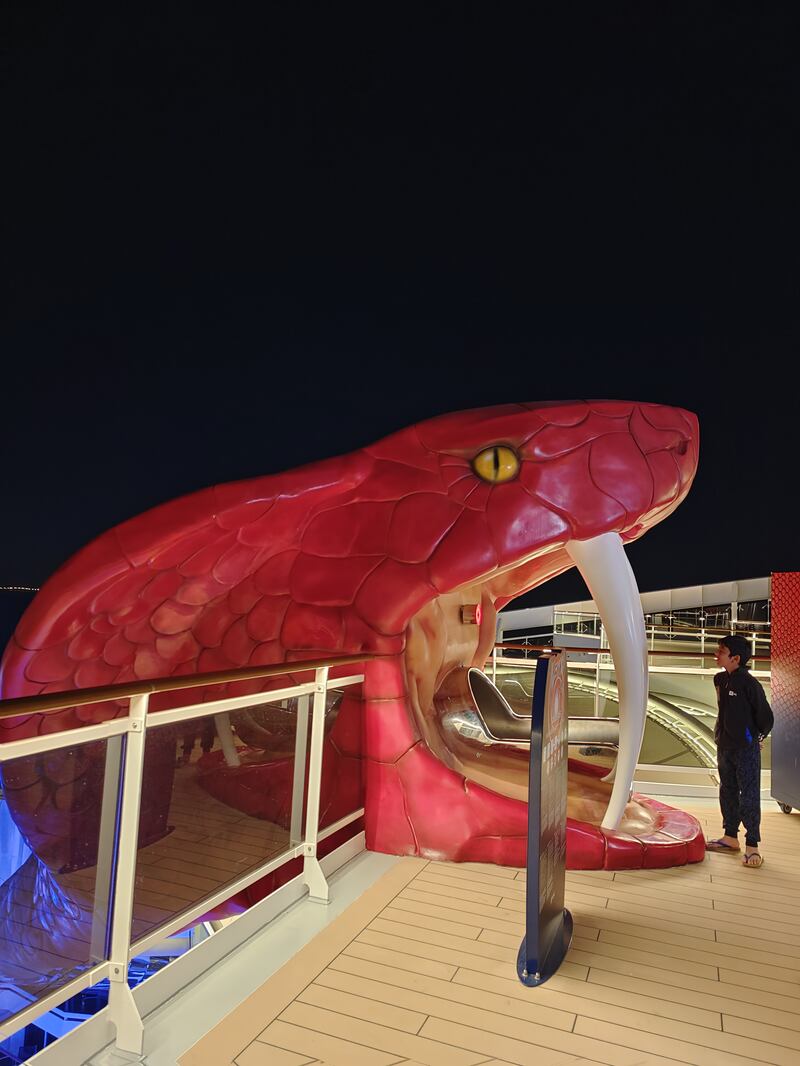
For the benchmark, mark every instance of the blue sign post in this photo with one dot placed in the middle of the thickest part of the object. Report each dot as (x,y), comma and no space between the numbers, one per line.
(548,924)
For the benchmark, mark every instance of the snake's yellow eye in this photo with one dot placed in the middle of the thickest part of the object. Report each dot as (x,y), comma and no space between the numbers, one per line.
(495,464)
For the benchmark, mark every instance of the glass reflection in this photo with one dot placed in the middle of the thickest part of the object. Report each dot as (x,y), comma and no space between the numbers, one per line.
(342,784)
(237,785)
(681,713)
(54,900)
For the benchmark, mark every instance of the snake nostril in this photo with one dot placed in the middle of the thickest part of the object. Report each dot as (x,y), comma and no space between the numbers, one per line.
(681,447)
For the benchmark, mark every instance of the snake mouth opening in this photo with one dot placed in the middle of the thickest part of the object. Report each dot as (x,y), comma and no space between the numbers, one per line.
(458,711)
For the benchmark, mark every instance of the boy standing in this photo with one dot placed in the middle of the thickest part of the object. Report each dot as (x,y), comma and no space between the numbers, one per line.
(744,719)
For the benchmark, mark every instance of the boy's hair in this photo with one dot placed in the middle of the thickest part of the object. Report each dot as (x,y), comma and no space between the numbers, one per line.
(737,646)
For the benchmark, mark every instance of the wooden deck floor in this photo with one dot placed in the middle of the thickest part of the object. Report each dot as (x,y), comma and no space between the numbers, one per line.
(699,964)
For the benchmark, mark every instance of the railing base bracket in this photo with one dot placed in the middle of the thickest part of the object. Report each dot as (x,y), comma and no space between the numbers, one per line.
(127,1021)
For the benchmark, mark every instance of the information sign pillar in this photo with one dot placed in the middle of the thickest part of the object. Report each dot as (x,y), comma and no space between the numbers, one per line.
(548,924)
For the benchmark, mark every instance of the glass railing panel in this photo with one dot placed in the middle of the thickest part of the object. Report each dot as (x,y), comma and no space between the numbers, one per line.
(681,709)
(681,712)
(54,899)
(680,717)
(669,743)
(81,1006)
(515,683)
(217,803)
(342,780)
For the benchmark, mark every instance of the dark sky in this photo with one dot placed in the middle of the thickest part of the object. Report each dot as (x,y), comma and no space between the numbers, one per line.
(239,243)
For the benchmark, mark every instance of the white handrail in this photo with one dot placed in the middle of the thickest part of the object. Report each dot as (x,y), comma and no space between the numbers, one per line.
(122,1010)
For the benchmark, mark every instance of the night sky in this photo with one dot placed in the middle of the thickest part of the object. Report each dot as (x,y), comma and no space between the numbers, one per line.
(240,243)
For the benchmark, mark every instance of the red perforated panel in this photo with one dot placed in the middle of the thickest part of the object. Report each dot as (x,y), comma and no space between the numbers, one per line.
(786,687)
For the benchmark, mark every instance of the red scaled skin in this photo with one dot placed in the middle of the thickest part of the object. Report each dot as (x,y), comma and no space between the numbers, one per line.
(346,556)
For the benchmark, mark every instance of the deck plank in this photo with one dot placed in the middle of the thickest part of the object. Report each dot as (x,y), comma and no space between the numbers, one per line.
(697,965)
(589,1000)
(442,999)
(323,1047)
(432,1052)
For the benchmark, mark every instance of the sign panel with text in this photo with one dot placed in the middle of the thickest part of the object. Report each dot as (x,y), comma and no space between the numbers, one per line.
(548,925)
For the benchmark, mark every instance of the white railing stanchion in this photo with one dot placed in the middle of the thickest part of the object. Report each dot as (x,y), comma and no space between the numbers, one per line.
(121,1006)
(299,777)
(313,875)
(106,851)
(597,673)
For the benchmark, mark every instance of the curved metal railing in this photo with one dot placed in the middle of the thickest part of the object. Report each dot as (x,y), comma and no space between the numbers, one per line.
(111,945)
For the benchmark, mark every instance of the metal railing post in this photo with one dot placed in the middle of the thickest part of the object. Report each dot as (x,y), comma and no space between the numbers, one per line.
(494,665)
(106,851)
(299,779)
(313,876)
(597,673)
(121,1006)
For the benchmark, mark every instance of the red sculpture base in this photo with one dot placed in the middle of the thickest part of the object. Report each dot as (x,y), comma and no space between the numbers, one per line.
(417,806)
(463,822)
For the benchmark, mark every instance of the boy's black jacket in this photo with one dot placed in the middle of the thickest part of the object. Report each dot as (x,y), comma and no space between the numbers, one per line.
(744,714)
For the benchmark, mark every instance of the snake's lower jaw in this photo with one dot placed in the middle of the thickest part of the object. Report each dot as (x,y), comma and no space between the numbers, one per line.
(503,768)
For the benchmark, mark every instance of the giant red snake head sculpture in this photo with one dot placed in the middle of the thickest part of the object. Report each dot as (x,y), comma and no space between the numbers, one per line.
(375,551)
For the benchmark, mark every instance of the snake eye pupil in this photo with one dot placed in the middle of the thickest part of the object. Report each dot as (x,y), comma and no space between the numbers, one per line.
(496,464)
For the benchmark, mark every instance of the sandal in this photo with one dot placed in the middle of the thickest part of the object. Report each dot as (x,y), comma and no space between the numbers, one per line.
(753,859)
(720,845)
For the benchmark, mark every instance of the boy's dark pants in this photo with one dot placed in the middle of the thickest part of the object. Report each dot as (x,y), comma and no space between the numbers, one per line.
(740,792)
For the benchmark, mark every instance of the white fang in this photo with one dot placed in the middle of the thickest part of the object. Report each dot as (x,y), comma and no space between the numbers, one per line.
(605,569)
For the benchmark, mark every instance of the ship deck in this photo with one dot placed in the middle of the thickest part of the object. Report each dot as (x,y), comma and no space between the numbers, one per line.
(697,964)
